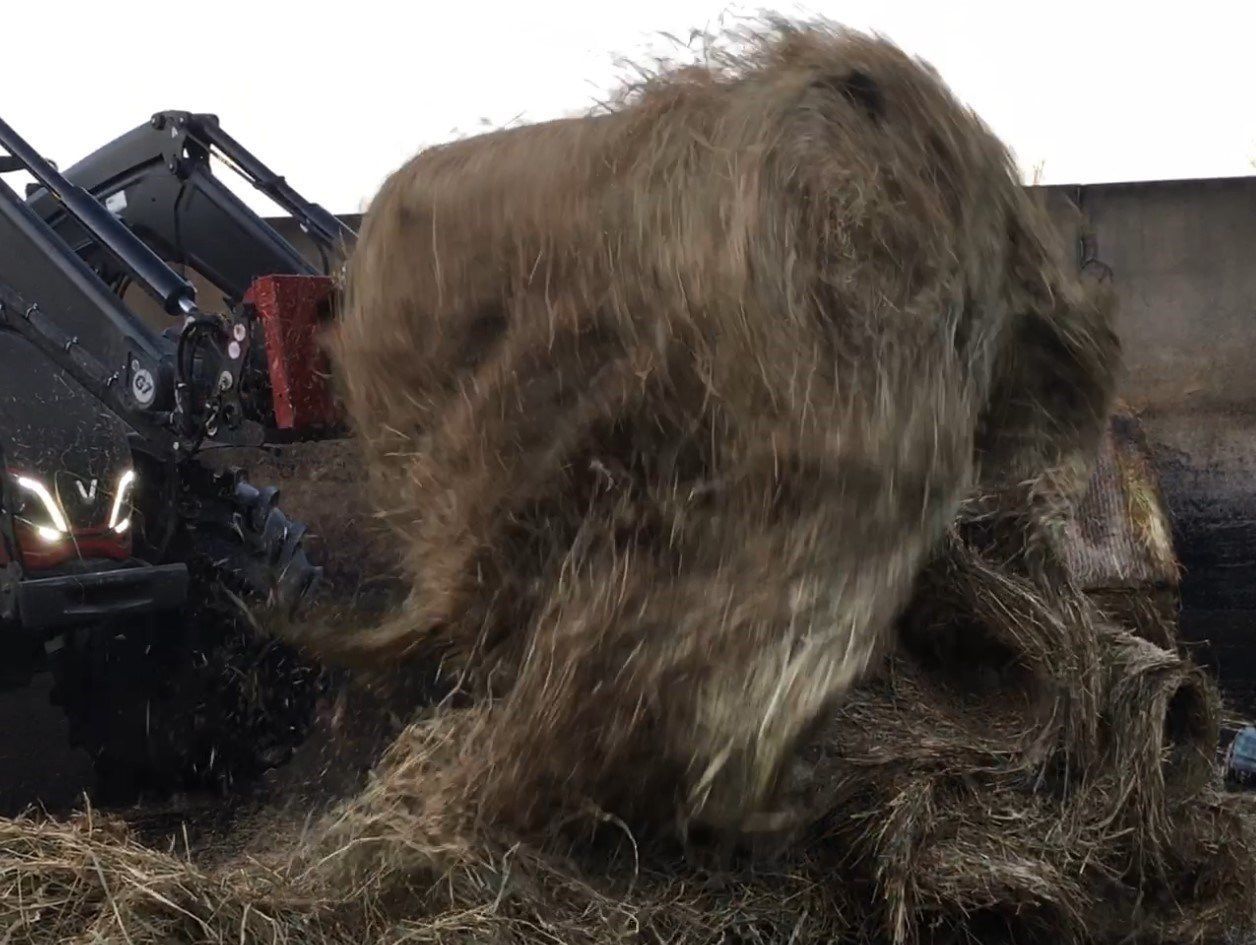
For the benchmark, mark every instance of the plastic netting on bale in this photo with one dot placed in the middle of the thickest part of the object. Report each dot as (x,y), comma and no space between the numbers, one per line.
(732,440)
(1119,546)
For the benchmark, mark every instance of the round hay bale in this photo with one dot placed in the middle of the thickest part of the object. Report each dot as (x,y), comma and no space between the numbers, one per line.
(669,405)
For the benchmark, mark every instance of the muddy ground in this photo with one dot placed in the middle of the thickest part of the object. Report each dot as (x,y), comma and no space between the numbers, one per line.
(37,764)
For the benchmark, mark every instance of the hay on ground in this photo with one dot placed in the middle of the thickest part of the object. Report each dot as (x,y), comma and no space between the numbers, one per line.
(960,794)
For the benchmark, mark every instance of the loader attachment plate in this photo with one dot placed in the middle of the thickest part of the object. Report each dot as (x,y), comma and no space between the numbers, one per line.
(292,311)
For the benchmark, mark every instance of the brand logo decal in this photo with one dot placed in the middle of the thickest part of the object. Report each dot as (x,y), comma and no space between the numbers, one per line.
(142,387)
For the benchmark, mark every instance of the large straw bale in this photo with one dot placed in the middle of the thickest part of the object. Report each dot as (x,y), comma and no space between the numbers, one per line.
(668,406)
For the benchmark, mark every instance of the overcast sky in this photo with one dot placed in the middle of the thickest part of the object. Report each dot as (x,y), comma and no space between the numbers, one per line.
(335,95)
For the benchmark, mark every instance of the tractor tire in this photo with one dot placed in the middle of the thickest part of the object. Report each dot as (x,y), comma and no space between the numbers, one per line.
(186,702)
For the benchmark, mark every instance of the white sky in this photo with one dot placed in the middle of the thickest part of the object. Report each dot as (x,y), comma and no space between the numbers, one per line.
(335,95)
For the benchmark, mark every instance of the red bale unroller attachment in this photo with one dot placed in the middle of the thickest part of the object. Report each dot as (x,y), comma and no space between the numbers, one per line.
(293,312)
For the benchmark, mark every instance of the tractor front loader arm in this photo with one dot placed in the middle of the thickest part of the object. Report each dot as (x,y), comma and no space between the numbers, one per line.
(158,181)
(173,393)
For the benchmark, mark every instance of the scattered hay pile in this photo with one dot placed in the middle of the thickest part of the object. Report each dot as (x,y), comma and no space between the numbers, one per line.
(731,437)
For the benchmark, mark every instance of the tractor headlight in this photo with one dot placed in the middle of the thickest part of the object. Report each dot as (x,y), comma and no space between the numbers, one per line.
(120,513)
(57,528)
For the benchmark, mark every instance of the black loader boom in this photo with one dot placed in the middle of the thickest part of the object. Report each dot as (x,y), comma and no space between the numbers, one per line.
(158,180)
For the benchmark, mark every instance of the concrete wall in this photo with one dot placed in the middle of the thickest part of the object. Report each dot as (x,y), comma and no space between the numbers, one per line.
(1181,257)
